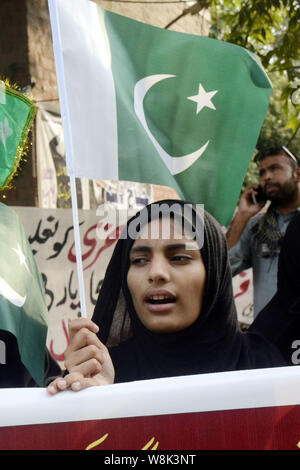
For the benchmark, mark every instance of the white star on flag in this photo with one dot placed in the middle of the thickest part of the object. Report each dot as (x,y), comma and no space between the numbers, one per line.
(203,98)
(21,256)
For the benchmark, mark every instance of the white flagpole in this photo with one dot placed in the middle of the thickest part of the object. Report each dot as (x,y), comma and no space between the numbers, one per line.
(78,247)
(68,145)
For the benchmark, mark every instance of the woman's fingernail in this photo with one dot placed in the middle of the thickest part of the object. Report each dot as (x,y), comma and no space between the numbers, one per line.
(51,389)
(62,384)
(76,386)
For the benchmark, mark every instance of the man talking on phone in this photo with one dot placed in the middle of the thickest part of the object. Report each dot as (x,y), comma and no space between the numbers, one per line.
(254,237)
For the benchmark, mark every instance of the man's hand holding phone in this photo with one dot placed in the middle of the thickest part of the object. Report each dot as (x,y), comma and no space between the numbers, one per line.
(258,196)
(252,200)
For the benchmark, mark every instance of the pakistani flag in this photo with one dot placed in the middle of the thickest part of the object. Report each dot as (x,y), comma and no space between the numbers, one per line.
(23,309)
(16,116)
(145,104)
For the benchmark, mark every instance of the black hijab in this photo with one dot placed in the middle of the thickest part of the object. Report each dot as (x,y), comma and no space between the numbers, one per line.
(213,343)
(279,321)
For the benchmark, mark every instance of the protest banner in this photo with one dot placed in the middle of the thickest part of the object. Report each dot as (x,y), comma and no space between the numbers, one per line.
(248,410)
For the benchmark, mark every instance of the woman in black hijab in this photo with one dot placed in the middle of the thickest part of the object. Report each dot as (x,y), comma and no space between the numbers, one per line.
(279,321)
(212,342)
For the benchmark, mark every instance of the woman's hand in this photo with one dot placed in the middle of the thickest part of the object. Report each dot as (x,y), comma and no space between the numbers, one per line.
(87,359)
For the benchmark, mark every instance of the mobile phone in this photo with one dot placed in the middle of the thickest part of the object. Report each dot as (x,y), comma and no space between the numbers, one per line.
(259,197)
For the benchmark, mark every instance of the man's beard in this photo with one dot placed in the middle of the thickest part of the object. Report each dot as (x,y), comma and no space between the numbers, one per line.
(286,194)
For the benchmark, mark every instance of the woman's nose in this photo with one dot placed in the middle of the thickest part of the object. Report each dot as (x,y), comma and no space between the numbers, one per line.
(158,271)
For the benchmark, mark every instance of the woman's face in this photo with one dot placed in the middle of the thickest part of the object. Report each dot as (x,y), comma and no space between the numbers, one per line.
(166,279)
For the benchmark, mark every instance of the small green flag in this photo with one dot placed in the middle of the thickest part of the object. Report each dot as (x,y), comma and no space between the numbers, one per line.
(146,104)
(16,116)
(23,309)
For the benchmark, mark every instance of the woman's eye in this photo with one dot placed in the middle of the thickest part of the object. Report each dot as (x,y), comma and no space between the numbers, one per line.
(180,258)
(139,260)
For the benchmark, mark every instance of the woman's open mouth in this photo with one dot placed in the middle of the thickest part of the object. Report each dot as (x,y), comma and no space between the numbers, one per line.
(160,302)
(160,299)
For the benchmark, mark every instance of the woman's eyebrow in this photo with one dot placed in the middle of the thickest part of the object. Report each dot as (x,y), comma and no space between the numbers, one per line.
(182,246)
(169,247)
(138,249)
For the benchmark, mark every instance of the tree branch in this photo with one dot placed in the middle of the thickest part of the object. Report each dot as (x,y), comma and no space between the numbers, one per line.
(294,135)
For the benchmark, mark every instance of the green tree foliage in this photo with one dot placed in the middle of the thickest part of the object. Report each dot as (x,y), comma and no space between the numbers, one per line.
(270,29)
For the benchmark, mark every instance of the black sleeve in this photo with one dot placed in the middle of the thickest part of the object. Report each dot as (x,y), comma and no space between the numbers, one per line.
(13,373)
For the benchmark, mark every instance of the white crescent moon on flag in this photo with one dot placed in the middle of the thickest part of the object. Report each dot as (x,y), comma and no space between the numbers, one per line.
(174,164)
(10,294)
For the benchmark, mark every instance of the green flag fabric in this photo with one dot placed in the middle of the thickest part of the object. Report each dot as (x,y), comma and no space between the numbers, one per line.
(146,104)
(16,116)
(22,298)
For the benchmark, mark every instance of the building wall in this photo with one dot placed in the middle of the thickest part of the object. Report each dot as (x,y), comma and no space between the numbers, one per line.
(13,41)
(161,13)
(41,58)
(14,64)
